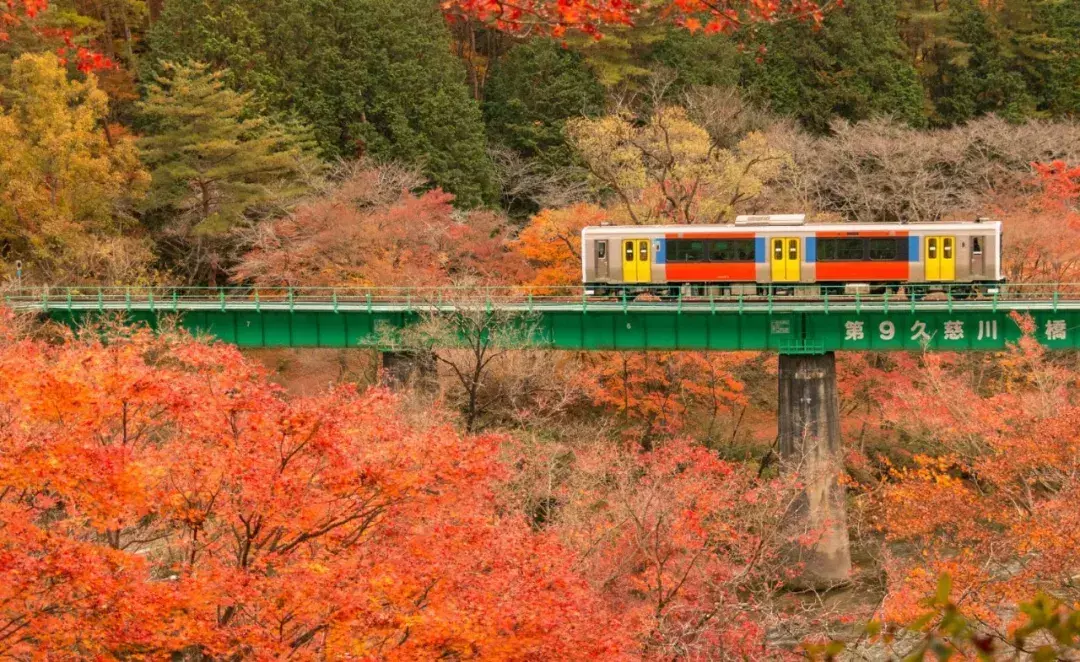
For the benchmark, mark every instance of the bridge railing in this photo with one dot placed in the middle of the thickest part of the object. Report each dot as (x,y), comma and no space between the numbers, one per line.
(425,297)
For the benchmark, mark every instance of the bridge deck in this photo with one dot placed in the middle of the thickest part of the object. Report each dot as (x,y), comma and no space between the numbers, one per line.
(567,319)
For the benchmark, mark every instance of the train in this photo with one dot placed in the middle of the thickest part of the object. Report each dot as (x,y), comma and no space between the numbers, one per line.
(784,255)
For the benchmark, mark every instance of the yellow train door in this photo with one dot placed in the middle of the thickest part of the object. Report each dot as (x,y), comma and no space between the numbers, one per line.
(786,264)
(637,261)
(940,258)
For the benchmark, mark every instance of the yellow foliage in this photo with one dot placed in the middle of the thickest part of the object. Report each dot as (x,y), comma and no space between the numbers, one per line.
(669,170)
(63,182)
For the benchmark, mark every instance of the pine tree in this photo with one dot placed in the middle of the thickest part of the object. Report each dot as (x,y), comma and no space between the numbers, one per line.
(532,91)
(855,67)
(212,160)
(369,76)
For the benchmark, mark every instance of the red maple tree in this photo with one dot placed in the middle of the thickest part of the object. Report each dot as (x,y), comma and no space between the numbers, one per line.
(159,497)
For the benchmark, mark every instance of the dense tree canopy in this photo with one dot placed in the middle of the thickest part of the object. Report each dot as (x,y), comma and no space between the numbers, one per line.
(370,77)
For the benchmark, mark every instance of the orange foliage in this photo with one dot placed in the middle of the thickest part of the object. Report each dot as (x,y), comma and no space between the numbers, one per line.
(1027,254)
(992,498)
(551,242)
(157,495)
(685,546)
(590,16)
(364,233)
(655,391)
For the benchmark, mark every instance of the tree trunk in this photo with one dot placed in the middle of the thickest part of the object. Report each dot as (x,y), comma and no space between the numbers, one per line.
(809,440)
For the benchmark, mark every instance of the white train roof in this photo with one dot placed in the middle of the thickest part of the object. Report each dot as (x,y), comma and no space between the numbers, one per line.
(651,230)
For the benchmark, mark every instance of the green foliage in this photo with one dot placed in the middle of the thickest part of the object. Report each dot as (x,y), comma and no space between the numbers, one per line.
(213,162)
(854,67)
(1061,95)
(368,76)
(977,70)
(698,59)
(531,93)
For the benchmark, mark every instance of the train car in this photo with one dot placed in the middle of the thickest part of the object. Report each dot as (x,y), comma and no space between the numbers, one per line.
(783,254)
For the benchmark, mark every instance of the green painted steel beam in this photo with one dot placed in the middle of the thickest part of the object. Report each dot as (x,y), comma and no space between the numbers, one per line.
(787,327)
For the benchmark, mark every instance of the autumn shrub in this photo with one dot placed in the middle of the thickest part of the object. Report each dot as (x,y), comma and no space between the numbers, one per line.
(369,228)
(686,547)
(989,494)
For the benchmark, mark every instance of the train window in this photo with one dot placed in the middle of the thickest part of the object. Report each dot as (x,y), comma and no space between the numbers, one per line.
(976,246)
(885,249)
(793,249)
(946,248)
(629,251)
(643,251)
(732,250)
(840,250)
(686,250)
(601,250)
(778,249)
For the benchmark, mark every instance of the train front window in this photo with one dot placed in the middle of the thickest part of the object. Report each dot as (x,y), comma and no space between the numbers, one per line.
(601,250)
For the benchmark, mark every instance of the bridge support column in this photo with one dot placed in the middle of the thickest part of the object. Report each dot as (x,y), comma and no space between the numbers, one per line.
(809,440)
(409,367)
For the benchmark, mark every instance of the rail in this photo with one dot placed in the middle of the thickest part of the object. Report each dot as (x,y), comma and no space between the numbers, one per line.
(163,298)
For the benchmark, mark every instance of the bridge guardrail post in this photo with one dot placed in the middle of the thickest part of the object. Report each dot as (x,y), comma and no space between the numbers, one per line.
(858,303)
(100,300)
(333,297)
(886,300)
(826,299)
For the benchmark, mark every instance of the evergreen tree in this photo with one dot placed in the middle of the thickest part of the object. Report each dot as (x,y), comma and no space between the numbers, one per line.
(854,67)
(368,76)
(1061,95)
(212,161)
(532,91)
(976,69)
(697,59)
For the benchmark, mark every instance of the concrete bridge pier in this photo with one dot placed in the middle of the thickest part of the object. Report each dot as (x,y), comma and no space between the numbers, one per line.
(809,440)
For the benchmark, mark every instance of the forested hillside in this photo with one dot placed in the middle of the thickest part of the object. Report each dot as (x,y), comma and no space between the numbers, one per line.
(198,124)
(161,497)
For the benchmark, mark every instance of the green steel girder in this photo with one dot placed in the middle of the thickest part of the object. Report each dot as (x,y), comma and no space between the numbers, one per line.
(963,326)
